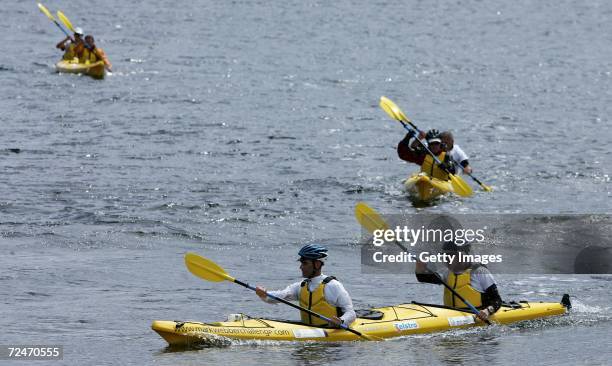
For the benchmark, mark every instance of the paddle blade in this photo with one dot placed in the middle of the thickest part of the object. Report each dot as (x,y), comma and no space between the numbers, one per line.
(65,20)
(486,188)
(387,108)
(393,110)
(205,268)
(460,186)
(368,218)
(45,11)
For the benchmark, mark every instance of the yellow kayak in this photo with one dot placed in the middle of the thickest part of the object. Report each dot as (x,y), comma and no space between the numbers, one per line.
(95,70)
(426,188)
(384,322)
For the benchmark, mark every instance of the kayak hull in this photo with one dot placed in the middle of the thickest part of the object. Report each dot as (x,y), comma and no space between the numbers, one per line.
(95,70)
(392,321)
(426,188)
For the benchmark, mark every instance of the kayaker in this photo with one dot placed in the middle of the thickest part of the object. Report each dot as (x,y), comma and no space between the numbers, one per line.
(456,153)
(75,47)
(473,281)
(414,152)
(93,54)
(320,293)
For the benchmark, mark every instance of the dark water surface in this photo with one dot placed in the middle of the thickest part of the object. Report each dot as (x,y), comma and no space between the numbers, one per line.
(242,129)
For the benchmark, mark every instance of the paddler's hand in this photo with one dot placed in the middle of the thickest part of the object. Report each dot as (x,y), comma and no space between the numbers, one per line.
(483,315)
(335,321)
(409,135)
(448,166)
(261,292)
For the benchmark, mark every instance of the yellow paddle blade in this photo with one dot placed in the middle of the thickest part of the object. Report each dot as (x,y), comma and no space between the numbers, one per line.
(486,188)
(460,186)
(65,20)
(45,11)
(205,268)
(368,218)
(393,110)
(387,108)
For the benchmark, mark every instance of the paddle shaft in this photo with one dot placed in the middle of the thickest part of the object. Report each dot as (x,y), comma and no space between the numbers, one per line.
(63,30)
(454,161)
(343,326)
(52,18)
(474,310)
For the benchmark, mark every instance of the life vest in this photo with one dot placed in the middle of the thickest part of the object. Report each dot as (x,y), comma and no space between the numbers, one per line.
(461,284)
(430,167)
(69,54)
(88,57)
(316,302)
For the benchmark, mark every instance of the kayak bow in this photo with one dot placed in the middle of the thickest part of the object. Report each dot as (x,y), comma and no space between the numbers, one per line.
(426,188)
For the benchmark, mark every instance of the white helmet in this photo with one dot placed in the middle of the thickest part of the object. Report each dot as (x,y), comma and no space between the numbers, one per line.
(78,30)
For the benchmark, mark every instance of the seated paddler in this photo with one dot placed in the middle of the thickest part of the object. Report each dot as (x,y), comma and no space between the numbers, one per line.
(72,47)
(317,292)
(472,281)
(411,149)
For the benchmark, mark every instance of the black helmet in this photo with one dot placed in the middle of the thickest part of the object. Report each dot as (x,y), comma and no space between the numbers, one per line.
(433,136)
(313,251)
(450,246)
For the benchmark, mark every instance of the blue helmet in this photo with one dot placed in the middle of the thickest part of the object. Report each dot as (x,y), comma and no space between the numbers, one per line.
(313,251)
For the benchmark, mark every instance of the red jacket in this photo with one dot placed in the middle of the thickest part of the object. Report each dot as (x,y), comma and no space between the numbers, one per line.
(406,153)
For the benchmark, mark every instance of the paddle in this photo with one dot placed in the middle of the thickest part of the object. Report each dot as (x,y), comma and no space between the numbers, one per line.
(65,20)
(211,271)
(459,185)
(371,220)
(389,107)
(68,24)
(52,18)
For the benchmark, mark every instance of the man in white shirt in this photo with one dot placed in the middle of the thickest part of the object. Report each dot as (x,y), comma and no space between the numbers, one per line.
(322,294)
(459,157)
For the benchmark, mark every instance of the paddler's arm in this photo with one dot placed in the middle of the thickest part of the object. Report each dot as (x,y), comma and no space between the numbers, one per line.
(415,144)
(462,158)
(62,44)
(491,301)
(102,56)
(336,295)
(407,153)
(290,292)
(423,274)
(491,298)
(467,169)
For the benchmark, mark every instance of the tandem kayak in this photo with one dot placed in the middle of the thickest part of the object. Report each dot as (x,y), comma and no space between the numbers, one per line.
(95,70)
(426,188)
(384,322)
